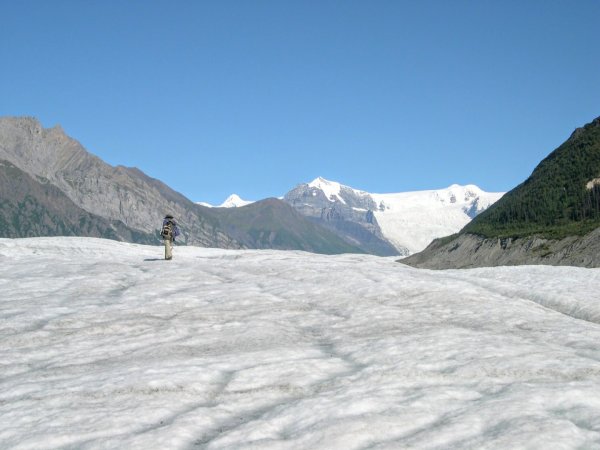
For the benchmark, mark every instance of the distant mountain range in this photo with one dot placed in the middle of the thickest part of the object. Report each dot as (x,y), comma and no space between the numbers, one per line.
(407,222)
(50,185)
(553,217)
(385,224)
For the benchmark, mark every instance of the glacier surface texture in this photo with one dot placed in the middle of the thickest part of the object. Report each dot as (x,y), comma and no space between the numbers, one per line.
(106,345)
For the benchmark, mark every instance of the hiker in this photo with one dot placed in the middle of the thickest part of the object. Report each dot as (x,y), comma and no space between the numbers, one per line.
(169,232)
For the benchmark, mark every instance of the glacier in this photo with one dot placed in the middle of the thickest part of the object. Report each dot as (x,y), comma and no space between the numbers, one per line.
(408,221)
(106,345)
(413,220)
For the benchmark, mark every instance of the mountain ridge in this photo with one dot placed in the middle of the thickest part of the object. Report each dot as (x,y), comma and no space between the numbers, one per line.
(122,202)
(399,223)
(386,224)
(272,223)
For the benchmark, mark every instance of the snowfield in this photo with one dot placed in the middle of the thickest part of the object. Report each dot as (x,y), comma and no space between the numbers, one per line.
(412,220)
(106,345)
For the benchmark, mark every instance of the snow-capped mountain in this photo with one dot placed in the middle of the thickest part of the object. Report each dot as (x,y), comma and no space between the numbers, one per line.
(409,221)
(331,189)
(345,211)
(233,201)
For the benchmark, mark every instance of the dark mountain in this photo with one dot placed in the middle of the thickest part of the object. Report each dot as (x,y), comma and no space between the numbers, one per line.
(33,207)
(551,218)
(272,223)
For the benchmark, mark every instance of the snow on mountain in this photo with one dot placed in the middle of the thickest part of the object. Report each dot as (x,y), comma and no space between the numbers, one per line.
(233,201)
(410,220)
(343,210)
(282,350)
(414,219)
(331,189)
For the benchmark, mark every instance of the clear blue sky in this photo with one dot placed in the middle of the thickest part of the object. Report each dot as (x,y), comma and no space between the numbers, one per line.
(254,97)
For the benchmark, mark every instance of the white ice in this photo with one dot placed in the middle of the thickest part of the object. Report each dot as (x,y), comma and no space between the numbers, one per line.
(105,345)
(412,220)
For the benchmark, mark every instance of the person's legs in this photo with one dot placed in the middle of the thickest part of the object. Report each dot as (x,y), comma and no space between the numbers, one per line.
(168,249)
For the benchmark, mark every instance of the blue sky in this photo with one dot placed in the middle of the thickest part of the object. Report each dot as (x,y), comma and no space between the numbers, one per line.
(254,97)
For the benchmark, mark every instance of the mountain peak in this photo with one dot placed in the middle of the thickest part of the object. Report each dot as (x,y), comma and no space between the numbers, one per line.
(320,181)
(331,189)
(234,201)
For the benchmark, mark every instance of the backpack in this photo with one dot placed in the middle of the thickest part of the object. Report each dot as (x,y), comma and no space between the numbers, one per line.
(167,230)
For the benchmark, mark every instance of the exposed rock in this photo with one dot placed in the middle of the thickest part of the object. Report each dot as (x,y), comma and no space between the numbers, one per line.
(31,207)
(345,212)
(468,250)
(592,184)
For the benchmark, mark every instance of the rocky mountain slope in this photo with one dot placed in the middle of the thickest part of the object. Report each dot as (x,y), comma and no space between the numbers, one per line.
(389,224)
(553,217)
(344,211)
(35,207)
(273,224)
(469,250)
